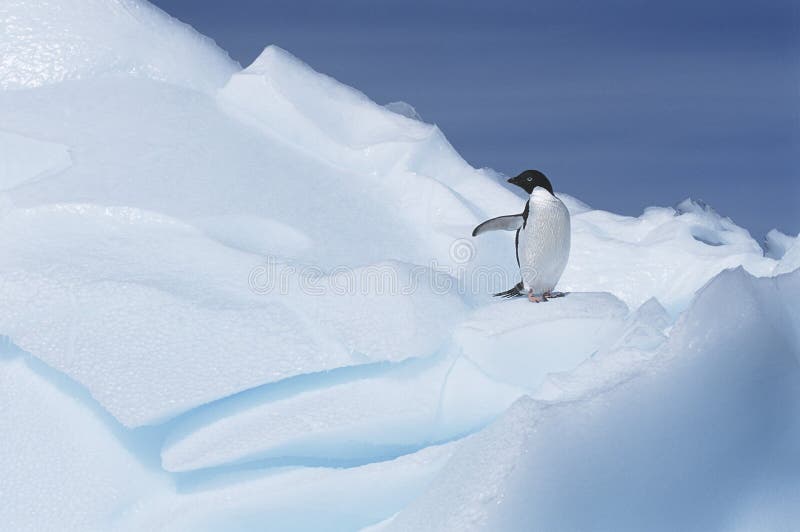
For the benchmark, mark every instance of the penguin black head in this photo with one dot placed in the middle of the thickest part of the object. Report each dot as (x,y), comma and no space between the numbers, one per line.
(530,179)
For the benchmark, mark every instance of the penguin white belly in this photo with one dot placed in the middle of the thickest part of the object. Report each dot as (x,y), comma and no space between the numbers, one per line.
(544,242)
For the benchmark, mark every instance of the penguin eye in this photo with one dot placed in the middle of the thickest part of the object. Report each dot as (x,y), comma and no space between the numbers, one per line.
(530,179)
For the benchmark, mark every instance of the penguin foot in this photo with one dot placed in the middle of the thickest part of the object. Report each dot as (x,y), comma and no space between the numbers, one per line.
(517,290)
(533,298)
(551,295)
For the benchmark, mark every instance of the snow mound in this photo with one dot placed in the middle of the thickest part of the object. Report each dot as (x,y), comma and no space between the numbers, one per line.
(620,359)
(303,106)
(275,273)
(61,462)
(151,340)
(23,159)
(286,98)
(42,42)
(701,440)
(665,253)
(294,499)
(374,414)
(790,260)
(514,343)
(776,244)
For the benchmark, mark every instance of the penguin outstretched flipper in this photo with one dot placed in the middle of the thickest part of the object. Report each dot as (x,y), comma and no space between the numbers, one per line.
(512,222)
(517,290)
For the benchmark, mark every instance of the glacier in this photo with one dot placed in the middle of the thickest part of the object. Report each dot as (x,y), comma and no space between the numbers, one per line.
(246,298)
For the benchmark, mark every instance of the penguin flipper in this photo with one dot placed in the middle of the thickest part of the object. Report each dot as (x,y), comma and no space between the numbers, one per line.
(512,222)
(517,290)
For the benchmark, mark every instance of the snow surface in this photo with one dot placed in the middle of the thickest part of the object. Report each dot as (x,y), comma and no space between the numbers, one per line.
(704,439)
(349,418)
(23,159)
(776,244)
(43,42)
(247,299)
(790,260)
(64,464)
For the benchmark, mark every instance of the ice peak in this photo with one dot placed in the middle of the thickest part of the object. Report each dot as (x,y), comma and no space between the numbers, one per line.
(42,43)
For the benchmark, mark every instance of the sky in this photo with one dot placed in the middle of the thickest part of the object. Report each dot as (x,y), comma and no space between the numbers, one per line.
(622,103)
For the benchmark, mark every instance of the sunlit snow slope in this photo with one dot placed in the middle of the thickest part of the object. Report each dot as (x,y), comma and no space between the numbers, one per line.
(248,299)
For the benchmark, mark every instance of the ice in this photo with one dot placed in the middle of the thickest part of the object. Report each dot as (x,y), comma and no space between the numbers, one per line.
(281,94)
(23,159)
(236,299)
(62,463)
(153,339)
(666,253)
(43,43)
(286,98)
(520,345)
(148,341)
(790,260)
(362,415)
(404,108)
(617,360)
(704,439)
(256,234)
(161,276)
(294,499)
(777,243)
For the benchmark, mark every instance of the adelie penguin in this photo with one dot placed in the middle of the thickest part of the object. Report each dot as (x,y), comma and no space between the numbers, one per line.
(543,237)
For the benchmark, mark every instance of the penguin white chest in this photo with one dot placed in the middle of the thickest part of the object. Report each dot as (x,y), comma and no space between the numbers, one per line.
(544,242)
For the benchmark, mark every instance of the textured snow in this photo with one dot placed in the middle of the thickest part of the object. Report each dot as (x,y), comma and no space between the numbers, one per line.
(790,260)
(666,253)
(294,499)
(152,339)
(698,441)
(43,42)
(514,343)
(63,465)
(368,416)
(162,277)
(776,244)
(23,159)
(237,299)
(285,98)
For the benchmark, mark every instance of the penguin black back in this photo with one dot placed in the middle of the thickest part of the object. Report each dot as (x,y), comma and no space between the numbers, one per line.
(530,179)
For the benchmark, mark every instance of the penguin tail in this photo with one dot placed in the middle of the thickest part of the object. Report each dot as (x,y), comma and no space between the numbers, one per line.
(517,290)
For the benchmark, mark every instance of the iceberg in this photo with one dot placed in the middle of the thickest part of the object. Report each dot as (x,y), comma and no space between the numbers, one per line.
(237,298)
(697,441)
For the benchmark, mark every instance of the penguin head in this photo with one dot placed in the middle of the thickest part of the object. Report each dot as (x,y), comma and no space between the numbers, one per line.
(530,179)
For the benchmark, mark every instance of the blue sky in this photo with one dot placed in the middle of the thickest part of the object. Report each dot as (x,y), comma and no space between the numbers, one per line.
(622,103)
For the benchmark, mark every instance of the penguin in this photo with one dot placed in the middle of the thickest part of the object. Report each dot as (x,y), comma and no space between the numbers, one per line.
(542,241)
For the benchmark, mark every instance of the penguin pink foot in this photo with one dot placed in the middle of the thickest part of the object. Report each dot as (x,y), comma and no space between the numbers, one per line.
(536,299)
(551,295)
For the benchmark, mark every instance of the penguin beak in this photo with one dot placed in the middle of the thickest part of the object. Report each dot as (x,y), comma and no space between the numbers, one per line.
(512,180)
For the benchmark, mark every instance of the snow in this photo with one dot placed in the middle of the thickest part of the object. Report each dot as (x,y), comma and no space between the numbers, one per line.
(405,109)
(61,459)
(698,441)
(23,159)
(232,299)
(151,340)
(350,417)
(309,498)
(519,345)
(666,253)
(42,42)
(776,244)
(790,260)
